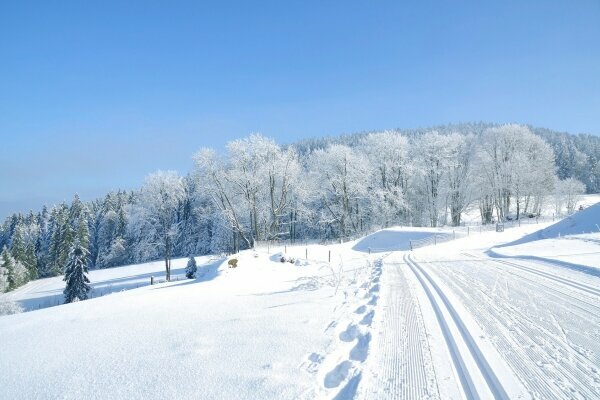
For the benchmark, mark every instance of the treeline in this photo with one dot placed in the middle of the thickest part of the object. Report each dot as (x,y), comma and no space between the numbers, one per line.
(322,188)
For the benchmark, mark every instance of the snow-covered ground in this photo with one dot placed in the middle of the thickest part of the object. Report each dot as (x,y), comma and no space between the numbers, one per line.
(48,292)
(489,315)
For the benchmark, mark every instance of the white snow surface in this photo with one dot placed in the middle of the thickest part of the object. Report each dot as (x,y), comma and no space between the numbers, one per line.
(476,317)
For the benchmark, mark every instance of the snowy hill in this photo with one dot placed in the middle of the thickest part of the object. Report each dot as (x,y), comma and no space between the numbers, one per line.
(584,221)
(573,242)
(234,333)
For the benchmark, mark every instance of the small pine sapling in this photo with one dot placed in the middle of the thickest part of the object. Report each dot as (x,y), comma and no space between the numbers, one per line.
(191,268)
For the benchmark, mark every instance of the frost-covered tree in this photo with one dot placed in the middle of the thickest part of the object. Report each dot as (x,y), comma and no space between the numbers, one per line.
(23,253)
(459,190)
(154,220)
(215,181)
(517,165)
(4,272)
(390,169)
(431,154)
(567,194)
(191,268)
(42,245)
(342,174)
(77,283)
(15,272)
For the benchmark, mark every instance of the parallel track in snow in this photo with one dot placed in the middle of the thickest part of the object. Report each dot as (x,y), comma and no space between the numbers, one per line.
(563,283)
(465,375)
(559,279)
(545,335)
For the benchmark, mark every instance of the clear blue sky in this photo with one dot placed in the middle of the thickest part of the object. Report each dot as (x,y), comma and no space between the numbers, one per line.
(95,95)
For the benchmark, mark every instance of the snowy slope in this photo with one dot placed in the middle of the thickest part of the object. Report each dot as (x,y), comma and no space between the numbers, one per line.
(585,221)
(249,332)
(443,321)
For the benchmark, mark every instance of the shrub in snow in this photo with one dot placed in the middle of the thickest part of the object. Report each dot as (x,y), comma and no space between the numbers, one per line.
(75,274)
(191,268)
(232,263)
(10,307)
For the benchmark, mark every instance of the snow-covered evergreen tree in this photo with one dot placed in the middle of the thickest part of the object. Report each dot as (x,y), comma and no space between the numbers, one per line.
(4,271)
(77,282)
(15,272)
(191,268)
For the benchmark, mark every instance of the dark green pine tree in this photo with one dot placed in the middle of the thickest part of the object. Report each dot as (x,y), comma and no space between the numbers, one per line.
(191,268)
(82,234)
(77,287)
(67,240)
(56,250)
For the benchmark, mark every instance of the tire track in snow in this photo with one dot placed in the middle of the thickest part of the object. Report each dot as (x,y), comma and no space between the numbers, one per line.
(465,376)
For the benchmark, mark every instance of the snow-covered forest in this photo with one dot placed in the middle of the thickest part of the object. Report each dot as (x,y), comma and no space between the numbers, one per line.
(325,188)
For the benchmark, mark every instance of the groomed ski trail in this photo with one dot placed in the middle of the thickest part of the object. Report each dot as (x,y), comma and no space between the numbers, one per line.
(401,366)
(545,329)
(471,366)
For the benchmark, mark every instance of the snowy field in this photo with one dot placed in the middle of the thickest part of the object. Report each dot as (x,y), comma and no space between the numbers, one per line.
(512,315)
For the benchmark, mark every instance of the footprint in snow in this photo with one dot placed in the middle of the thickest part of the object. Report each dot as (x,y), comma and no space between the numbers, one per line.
(368,319)
(361,350)
(374,289)
(361,310)
(349,391)
(337,375)
(312,363)
(373,300)
(350,333)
